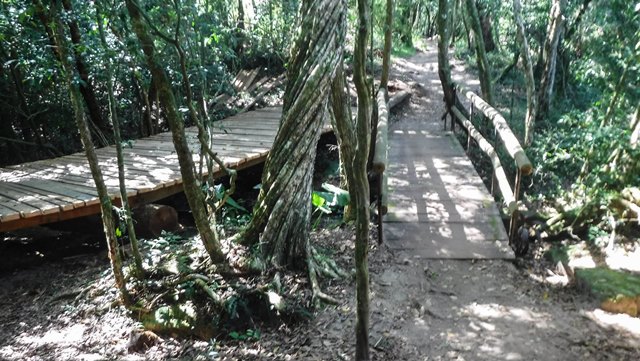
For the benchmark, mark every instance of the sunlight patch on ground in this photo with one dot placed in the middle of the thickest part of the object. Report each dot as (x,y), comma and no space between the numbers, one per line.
(617,321)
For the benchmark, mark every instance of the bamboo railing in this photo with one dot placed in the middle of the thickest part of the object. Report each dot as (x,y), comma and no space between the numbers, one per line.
(510,196)
(380,156)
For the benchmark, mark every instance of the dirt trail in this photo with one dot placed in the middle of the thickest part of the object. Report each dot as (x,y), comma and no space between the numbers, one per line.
(483,310)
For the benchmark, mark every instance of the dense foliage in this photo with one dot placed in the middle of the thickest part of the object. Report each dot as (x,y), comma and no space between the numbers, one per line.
(219,39)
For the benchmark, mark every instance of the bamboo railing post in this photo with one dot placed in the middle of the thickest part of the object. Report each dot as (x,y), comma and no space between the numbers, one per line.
(515,216)
(469,133)
(380,230)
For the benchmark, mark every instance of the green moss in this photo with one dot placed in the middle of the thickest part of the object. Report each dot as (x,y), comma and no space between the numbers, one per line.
(606,283)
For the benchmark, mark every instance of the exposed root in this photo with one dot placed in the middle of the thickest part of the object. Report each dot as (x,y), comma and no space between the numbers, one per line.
(318,295)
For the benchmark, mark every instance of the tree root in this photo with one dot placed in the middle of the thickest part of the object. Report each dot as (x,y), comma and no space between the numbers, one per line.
(318,295)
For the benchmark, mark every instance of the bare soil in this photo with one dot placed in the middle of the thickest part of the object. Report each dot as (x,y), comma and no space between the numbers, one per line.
(421,309)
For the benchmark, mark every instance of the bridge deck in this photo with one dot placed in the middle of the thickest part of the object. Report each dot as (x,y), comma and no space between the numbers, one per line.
(438,204)
(62,188)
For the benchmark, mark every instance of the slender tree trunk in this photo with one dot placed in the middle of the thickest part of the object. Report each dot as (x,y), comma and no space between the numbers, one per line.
(113,112)
(85,136)
(549,57)
(86,87)
(530,117)
(340,106)
(191,185)
(444,68)
(360,184)
(481,55)
(386,52)
(281,217)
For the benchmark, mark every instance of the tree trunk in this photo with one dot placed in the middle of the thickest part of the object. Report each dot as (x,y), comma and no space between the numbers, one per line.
(487,32)
(359,184)
(444,68)
(86,87)
(85,136)
(113,113)
(530,117)
(281,217)
(481,55)
(386,52)
(191,185)
(340,106)
(549,57)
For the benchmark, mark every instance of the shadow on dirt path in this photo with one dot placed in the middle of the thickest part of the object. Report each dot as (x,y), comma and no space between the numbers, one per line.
(482,310)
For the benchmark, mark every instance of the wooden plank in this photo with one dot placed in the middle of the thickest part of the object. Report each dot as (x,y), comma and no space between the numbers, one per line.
(7,214)
(24,209)
(87,195)
(63,202)
(34,200)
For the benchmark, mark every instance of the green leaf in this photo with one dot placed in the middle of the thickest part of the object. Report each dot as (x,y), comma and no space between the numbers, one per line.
(118,232)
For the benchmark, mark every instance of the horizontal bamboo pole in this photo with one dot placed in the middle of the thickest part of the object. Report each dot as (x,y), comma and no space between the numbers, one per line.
(487,148)
(510,141)
(382,131)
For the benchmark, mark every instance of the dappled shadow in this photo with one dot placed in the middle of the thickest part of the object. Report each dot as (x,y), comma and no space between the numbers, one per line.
(40,189)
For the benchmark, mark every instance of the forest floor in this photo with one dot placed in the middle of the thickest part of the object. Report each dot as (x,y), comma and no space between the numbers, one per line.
(421,309)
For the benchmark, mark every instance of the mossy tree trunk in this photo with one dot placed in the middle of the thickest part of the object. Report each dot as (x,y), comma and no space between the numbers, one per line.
(113,112)
(71,77)
(281,217)
(481,54)
(530,117)
(191,184)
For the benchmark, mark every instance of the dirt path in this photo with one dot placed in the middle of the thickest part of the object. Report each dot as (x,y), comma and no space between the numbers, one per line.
(421,309)
(484,310)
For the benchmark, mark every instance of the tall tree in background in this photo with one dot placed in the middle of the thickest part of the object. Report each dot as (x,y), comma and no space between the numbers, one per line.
(550,56)
(444,68)
(388,36)
(72,80)
(87,90)
(191,185)
(481,55)
(281,217)
(530,117)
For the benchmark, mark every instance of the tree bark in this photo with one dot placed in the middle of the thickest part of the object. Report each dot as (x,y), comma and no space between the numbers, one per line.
(549,57)
(530,117)
(191,185)
(85,136)
(113,114)
(86,87)
(360,183)
(281,217)
(481,55)
(386,52)
(444,68)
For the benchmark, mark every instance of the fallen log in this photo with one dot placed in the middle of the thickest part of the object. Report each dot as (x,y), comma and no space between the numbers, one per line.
(398,98)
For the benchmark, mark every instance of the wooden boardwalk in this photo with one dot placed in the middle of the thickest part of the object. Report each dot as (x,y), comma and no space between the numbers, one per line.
(62,188)
(438,205)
